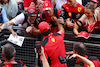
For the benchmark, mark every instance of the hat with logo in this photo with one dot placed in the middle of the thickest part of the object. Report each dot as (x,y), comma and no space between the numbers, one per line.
(44,28)
(31,11)
(96,1)
(84,34)
(47,5)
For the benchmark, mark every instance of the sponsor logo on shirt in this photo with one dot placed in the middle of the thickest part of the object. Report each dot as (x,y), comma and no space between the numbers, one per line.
(70,14)
(79,9)
(53,40)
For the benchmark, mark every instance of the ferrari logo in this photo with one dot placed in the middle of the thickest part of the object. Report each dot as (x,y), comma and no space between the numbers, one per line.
(70,14)
(83,33)
(53,40)
(79,9)
(87,65)
(46,4)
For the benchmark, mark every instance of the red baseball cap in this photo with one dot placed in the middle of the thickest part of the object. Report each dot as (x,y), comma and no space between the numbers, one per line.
(47,5)
(43,26)
(31,11)
(84,34)
(95,1)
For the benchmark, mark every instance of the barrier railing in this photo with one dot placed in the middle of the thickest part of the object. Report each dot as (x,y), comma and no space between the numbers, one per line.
(27,54)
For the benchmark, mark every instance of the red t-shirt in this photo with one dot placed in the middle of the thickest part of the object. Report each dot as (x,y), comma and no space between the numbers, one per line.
(27,3)
(95,61)
(48,20)
(54,47)
(72,12)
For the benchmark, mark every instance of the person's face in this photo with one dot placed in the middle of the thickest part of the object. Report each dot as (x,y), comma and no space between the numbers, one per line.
(94,3)
(71,2)
(32,18)
(49,12)
(5,1)
(88,12)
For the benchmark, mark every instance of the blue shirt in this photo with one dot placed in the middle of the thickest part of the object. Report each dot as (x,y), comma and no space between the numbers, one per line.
(4,17)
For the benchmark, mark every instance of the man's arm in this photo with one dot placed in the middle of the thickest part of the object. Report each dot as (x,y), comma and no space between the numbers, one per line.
(83,59)
(33,30)
(60,27)
(5,25)
(44,60)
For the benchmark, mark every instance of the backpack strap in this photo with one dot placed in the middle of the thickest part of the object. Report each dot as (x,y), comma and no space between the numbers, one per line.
(26,16)
(43,15)
(55,12)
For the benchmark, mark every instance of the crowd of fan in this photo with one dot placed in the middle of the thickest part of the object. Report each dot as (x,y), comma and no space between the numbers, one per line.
(51,18)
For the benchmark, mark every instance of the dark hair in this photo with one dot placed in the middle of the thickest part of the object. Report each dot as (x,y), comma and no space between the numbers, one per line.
(1,1)
(80,48)
(90,6)
(8,50)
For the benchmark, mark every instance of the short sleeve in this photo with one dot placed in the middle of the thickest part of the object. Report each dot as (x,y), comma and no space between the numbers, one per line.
(18,19)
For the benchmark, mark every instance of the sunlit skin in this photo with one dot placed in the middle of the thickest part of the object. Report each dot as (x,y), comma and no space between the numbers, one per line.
(32,19)
(88,13)
(94,3)
(49,12)
(71,3)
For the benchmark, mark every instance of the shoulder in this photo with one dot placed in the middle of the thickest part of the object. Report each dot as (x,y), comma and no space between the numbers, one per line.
(83,17)
(65,4)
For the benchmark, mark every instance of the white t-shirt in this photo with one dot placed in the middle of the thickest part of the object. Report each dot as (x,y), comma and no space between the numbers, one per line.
(18,20)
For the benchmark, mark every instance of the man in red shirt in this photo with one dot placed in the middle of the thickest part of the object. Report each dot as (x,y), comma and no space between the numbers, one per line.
(48,13)
(53,43)
(8,53)
(80,49)
(71,12)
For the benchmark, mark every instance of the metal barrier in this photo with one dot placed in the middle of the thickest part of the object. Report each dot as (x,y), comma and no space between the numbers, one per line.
(92,49)
(27,54)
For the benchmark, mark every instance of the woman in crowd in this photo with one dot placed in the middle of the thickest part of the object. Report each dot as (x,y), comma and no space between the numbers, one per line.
(88,19)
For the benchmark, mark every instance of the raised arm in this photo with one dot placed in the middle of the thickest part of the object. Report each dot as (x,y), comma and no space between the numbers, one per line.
(60,27)
(44,60)
(79,24)
(83,59)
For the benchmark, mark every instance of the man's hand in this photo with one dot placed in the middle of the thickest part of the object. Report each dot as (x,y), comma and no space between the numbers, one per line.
(61,20)
(42,51)
(19,2)
(32,4)
(14,34)
(54,19)
(73,56)
(29,29)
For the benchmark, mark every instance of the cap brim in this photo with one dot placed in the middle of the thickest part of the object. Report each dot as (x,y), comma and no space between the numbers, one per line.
(32,14)
(94,1)
(49,8)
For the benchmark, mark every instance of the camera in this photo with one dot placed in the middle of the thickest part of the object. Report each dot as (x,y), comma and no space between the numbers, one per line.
(38,49)
(69,62)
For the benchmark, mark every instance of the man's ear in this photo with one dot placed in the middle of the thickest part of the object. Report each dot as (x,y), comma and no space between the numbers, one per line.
(15,53)
(2,54)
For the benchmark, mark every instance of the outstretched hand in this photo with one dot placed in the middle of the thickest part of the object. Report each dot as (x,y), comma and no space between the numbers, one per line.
(54,19)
